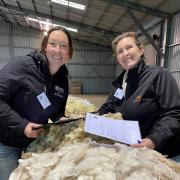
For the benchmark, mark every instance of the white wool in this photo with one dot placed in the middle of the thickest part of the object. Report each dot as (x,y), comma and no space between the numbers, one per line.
(76,107)
(68,153)
(95,161)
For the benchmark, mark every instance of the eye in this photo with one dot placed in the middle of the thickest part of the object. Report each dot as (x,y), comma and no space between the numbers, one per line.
(128,47)
(52,44)
(64,45)
(119,51)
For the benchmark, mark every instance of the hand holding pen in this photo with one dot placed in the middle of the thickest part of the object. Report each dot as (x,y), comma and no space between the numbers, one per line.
(144,143)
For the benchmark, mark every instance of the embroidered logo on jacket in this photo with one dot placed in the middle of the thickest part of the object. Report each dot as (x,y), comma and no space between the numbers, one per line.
(138,99)
(59,91)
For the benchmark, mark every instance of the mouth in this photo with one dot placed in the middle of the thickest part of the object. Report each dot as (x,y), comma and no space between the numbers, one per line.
(127,61)
(57,58)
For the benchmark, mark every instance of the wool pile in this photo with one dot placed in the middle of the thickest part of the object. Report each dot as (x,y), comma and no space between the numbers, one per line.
(68,153)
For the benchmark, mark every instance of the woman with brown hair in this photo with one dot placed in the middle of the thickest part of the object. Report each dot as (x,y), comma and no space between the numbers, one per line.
(33,88)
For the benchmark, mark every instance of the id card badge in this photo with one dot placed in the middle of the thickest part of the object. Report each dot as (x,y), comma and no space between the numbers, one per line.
(44,101)
(119,93)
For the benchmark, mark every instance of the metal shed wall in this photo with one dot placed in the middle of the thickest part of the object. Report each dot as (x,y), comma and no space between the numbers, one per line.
(174,49)
(16,41)
(91,64)
(5,44)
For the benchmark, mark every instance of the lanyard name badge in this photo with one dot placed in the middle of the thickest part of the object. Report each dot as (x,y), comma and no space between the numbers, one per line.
(119,93)
(44,101)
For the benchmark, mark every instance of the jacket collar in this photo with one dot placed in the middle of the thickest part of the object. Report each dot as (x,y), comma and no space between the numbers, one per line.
(132,73)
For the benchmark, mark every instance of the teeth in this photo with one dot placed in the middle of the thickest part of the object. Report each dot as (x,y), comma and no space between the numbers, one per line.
(127,60)
(57,58)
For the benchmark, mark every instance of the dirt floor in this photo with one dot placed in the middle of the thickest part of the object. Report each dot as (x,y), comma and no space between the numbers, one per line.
(95,99)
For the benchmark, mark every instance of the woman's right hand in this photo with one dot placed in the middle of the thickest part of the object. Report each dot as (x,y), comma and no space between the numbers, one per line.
(146,142)
(30,133)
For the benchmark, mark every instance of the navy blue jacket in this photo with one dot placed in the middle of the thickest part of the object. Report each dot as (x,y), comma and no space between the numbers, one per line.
(153,98)
(21,81)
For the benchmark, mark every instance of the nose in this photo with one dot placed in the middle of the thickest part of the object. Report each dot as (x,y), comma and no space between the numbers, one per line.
(125,52)
(58,48)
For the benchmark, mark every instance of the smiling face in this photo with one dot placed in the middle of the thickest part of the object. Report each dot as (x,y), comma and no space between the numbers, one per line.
(128,53)
(57,50)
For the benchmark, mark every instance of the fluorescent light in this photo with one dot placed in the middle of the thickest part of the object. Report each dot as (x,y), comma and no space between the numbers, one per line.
(71,29)
(45,33)
(46,25)
(76,5)
(69,3)
(63,2)
(32,19)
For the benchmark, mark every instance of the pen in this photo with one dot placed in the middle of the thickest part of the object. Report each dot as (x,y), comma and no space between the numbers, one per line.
(139,142)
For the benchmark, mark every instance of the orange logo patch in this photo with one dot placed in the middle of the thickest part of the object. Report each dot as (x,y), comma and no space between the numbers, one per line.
(138,99)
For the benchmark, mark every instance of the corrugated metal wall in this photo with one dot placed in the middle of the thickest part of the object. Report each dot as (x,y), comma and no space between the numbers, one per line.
(174,48)
(92,64)
(150,54)
(5,47)
(16,41)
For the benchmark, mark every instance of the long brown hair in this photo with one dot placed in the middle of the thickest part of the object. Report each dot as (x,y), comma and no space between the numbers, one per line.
(46,38)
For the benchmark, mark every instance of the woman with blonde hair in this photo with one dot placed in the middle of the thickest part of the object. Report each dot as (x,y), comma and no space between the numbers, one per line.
(148,94)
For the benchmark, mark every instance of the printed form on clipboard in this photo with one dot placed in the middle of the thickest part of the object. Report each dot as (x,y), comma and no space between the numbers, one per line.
(124,131)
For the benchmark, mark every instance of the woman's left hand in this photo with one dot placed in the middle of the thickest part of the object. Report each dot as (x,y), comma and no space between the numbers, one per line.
(145,143)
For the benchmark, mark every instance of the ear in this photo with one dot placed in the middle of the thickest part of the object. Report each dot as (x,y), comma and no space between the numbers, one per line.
(141,48)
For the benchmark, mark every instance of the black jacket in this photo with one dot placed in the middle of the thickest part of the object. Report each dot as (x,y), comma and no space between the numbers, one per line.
(21,81)
(153,98)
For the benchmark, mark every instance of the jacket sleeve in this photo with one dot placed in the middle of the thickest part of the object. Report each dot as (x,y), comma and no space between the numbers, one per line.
(11,77)
(110,105)
(168,98)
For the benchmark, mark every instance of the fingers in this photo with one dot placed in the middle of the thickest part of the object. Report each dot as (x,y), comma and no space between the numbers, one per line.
(33,134)
(145,143)
(36,133)
(63,118)
(137,145)
(30,133)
